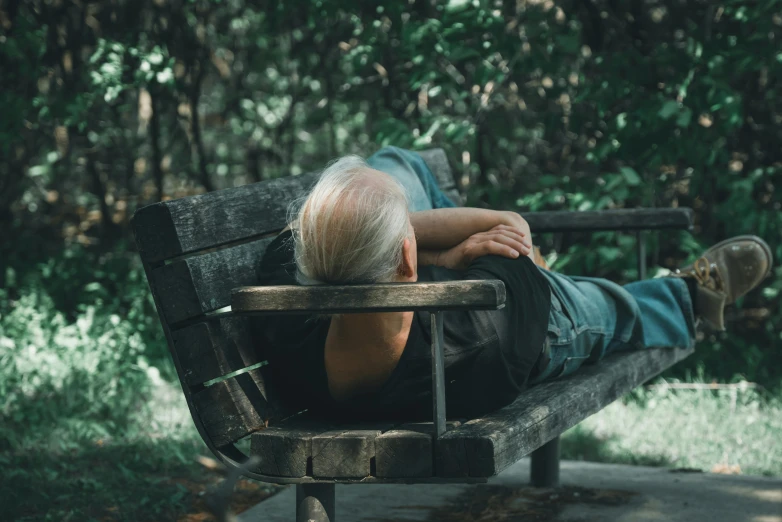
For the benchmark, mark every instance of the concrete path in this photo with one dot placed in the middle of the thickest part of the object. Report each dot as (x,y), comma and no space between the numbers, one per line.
(589,492)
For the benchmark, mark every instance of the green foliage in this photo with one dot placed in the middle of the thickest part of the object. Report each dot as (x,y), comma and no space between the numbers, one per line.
(79,350)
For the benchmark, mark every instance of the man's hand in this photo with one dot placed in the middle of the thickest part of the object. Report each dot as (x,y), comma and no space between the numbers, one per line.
(515,220)
(502,240)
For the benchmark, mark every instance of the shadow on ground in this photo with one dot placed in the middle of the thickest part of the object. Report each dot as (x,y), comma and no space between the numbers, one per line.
(116,482)
(490,503)
(590,493)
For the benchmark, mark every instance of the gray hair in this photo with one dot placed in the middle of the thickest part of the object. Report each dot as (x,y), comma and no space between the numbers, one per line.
(351,226)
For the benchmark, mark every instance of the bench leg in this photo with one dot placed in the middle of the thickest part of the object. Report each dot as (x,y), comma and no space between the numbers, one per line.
(315,503)
(544,468)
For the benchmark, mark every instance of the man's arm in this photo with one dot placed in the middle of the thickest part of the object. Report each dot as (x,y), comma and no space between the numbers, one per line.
(444,228)
(453,236)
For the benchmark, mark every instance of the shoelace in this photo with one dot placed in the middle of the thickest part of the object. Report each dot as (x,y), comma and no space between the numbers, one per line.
(702,272)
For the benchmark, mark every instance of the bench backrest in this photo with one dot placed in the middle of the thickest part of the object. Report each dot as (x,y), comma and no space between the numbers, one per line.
(195,250)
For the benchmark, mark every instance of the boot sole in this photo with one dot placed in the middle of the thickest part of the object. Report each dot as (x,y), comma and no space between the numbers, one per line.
(748,237)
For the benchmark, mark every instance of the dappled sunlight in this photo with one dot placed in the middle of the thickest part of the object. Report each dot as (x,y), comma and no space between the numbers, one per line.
(684,429)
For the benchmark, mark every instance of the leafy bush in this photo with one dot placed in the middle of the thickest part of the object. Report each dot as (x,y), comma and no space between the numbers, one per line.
(79,348)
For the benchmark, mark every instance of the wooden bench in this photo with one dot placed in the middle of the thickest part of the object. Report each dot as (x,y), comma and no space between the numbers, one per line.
(198,253)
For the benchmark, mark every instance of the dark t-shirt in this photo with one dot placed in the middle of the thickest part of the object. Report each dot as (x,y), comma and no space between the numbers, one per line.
(489,354)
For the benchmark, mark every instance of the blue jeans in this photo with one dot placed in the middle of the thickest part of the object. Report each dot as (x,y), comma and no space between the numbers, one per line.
(590,317)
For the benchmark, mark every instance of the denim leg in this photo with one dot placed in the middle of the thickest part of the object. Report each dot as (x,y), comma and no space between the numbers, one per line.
(591,318)
(413,173)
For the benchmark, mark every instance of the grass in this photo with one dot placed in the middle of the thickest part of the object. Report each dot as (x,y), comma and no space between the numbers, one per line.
(150,474)
(721,431)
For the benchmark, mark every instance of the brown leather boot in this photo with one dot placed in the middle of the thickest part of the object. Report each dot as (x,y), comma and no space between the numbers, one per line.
(725,272)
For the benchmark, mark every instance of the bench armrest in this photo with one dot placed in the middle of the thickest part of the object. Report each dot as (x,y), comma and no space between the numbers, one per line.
(620,219)
(381,297)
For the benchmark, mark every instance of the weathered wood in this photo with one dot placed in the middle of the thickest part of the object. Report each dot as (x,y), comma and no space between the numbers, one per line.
(190,287)
(621,219)
(214,348)
(182,226)
(345,453)
(406,450)
(455,196)
(233,408)
(387,297)
(484,447)
(437,161)
(285,449)
(404,453)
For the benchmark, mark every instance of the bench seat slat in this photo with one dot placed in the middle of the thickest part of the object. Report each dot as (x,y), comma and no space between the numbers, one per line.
(386,297)
(301,446)
(285,450)
(484,447)
(345,453)
(406,450)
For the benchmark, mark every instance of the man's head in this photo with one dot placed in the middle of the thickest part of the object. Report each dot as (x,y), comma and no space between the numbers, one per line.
(354,227)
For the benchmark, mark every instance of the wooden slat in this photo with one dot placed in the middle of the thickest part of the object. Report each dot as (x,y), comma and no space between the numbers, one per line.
(437,161)
(455,196)
(406,450)
(182,226)
(620,219)
(285,449)
(190,287)
(447,295)
(233,408)
(484,447)
(403,451)
(345,453)
(214,348)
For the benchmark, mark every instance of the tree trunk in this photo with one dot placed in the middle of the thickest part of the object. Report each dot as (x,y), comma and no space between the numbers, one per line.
(195,127)
(154,135)
(107,226)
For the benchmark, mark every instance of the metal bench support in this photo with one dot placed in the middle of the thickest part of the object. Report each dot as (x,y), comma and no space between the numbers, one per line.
(315,502)
(641,244)
(438,383)
(544,468)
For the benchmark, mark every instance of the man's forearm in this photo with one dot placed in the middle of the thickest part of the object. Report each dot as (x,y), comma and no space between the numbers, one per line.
(443,228)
